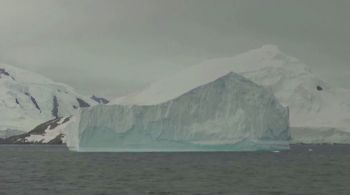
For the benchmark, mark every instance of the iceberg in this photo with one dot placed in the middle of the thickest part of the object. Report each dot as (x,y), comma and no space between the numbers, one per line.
(224,113)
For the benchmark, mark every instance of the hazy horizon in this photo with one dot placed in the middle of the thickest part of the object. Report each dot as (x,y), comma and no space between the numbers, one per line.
(110,48)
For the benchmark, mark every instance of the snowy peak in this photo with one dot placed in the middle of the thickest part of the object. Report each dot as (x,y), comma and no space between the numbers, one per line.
(21,75)
(4,73)
(28,99)
(168,88)
(268,56)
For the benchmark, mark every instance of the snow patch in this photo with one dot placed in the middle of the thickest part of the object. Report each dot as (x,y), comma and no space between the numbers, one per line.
(50,132)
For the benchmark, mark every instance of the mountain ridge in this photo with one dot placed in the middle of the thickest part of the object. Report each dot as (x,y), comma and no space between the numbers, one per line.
(28,99)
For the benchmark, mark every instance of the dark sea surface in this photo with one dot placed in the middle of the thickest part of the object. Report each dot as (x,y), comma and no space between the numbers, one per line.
(305,169)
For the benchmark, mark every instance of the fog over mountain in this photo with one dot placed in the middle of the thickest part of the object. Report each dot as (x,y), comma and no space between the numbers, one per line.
(112,47)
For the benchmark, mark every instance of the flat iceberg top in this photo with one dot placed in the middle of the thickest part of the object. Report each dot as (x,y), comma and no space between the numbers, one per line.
(204,73)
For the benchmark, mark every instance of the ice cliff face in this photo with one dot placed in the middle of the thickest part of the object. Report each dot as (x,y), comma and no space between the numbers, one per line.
(319,113)
(227,113)
(28,99)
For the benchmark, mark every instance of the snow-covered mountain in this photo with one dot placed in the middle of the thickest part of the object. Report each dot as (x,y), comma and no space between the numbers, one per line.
(319,113)
(50,132)
(227,114)
(28,99)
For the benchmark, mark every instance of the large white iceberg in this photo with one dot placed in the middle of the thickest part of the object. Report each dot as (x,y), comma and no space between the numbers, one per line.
(223,113)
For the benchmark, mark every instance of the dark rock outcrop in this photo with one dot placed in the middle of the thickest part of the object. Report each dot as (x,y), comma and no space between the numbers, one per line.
(39,130)
(55,107)
(319,88)
(100,100)
(57,140)
(35,103)
(4,72)
(82,103)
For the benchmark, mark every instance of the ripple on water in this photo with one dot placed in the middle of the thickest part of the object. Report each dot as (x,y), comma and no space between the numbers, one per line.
(54,170)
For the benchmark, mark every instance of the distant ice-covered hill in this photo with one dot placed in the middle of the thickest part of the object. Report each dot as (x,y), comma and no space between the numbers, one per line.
(28,99)
(319,113)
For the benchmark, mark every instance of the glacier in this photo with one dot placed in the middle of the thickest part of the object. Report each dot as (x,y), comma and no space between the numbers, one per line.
(226,113)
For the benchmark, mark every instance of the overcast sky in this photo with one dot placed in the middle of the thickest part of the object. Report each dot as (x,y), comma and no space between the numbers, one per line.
(112,47)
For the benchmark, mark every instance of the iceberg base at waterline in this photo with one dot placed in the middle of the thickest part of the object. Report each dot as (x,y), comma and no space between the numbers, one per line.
(230,113)
(167,146)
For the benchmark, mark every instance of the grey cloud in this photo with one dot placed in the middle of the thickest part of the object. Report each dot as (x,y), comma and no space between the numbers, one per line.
(117,46)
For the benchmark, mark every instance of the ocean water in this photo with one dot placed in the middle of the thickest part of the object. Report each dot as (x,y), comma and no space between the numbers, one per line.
(305,169)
